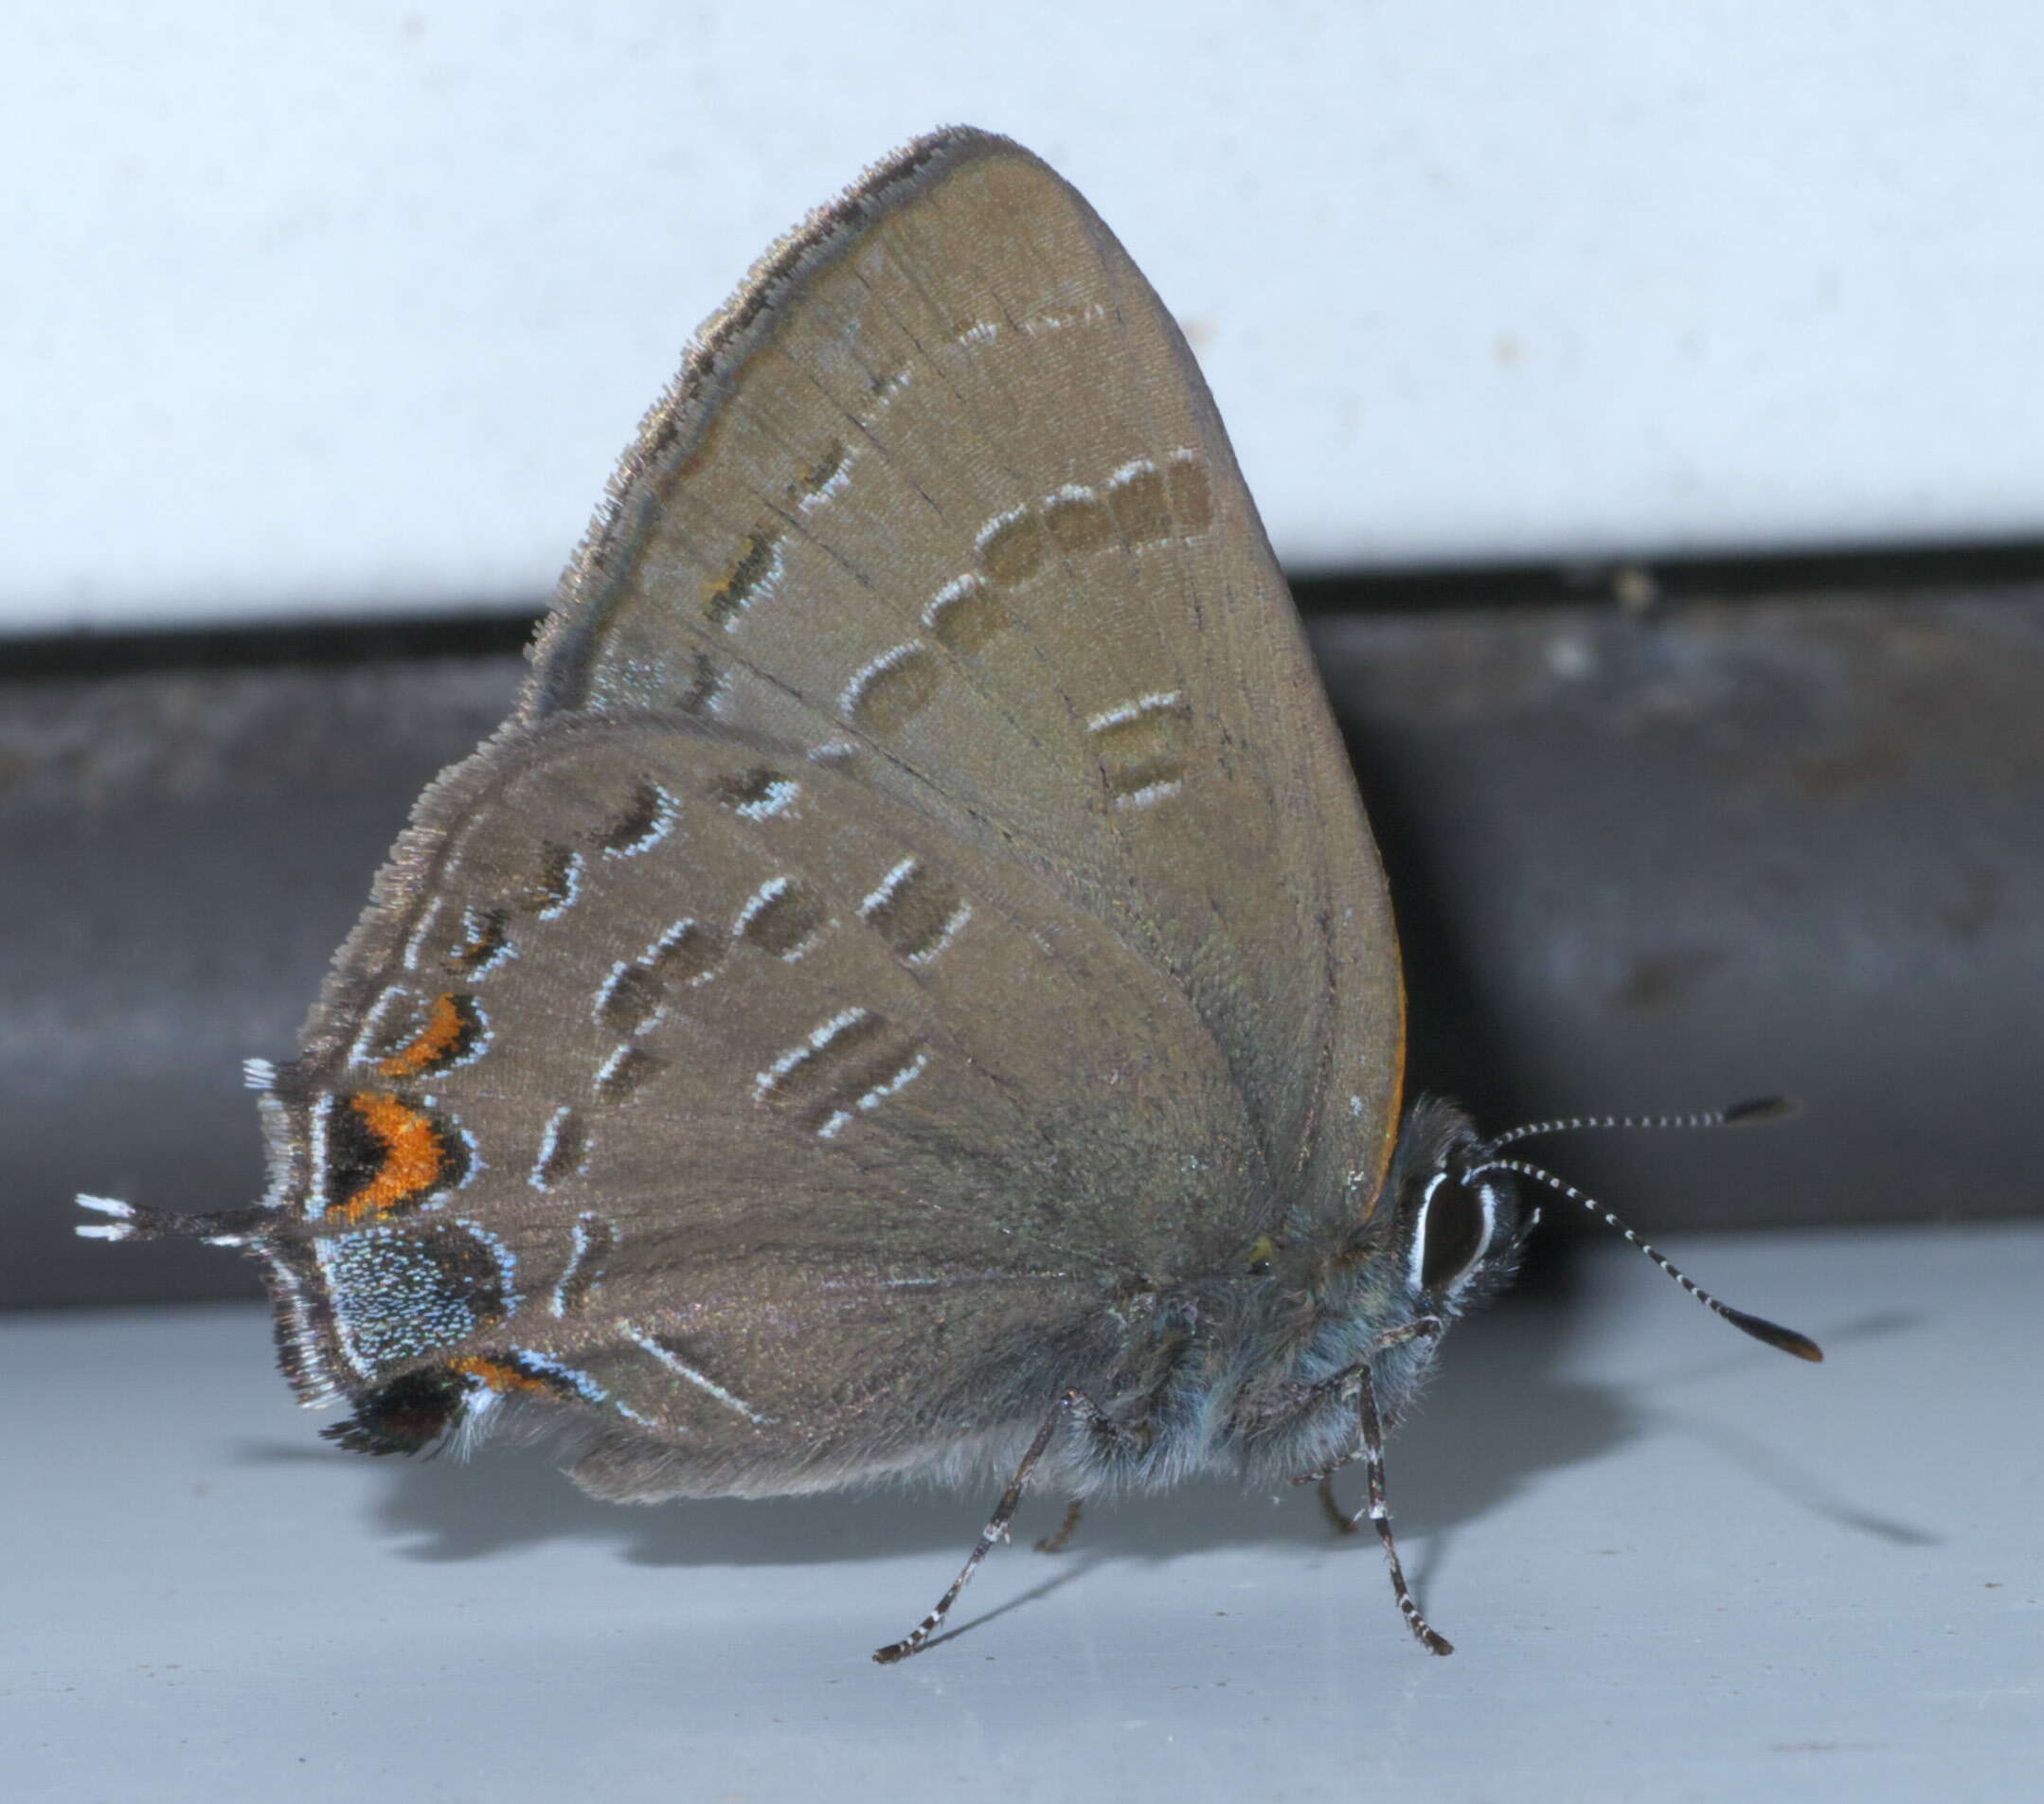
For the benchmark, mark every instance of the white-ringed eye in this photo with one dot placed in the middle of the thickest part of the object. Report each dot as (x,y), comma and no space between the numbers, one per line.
(1456,1223)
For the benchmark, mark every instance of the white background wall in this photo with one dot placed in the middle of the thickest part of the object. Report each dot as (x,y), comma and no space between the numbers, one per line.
(349,307)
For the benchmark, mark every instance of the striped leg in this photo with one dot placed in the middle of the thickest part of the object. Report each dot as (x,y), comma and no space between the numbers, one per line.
(1425,1328)
(1381,1516)
(996,1529)
(1370,1448)
(1056,1541)
(1344,1524)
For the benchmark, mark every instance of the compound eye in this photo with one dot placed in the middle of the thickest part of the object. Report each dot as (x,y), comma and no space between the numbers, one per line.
(1454,1233)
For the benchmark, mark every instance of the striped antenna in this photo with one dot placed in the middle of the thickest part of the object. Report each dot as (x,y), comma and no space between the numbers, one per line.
(1758,1327)
(1738,1116)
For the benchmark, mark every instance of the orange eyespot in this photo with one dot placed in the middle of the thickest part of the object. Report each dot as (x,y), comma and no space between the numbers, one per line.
(500,1375)
(387,1153)
(453,1027)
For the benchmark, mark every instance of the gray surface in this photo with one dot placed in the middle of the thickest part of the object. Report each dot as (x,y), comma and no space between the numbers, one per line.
(1678,1566)
(1639,864)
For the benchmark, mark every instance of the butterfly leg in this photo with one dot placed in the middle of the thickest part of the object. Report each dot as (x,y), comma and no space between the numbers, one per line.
(1424,1328)
(1380,1514)
(1056,1541)
(1369,1445)
(1293,1399)
(997,1529)
(1343,1523)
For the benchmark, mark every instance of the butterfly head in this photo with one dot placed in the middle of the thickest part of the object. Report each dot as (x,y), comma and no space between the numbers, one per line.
(1456,1221)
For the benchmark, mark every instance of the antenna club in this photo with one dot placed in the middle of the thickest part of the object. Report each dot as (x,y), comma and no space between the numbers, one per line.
(1763,1109)
(1774,1334)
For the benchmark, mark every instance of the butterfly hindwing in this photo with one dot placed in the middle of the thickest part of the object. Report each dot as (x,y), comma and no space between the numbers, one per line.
(775,1104)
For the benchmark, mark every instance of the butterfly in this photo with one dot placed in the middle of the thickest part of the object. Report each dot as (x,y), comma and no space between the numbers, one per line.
(910,991)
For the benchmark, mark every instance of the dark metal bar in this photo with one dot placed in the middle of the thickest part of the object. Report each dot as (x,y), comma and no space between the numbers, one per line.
(1645,857)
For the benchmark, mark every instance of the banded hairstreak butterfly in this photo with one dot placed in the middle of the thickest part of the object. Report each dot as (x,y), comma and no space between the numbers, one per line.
(910,991)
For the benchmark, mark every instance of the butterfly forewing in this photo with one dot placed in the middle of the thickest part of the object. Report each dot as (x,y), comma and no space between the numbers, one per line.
(944,496)
(921,905)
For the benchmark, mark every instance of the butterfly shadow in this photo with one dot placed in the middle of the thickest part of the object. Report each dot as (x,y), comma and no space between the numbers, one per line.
(1499,1415)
